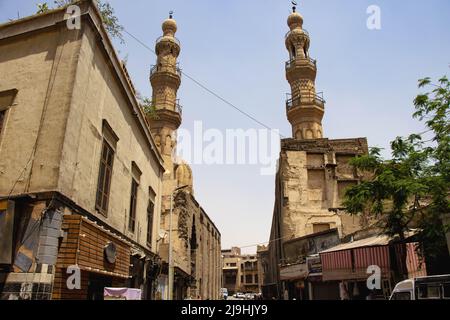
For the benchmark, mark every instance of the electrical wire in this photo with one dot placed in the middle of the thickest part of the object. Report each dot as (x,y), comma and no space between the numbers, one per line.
(210,91)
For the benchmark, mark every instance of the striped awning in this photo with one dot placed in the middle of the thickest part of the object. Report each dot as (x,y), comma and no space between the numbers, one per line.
(352,264)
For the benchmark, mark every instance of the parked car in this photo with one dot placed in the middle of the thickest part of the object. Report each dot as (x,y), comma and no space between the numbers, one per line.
(423,288)
(224,292)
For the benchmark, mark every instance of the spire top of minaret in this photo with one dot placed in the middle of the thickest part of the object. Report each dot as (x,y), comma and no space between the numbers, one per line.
(294,4)
(169,26)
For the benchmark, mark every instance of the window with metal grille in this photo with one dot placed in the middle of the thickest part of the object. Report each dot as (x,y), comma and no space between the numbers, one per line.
(133,200)
(104,178)
(150,209)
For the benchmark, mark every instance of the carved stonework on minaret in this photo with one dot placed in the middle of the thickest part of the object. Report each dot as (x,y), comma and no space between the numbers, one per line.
(181,211)
(165,78)
(305,108)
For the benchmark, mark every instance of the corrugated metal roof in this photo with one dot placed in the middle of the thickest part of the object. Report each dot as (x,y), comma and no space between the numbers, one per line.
(379,240)
(368,242)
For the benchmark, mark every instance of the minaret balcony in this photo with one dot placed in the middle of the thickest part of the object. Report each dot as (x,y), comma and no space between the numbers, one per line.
(174,69)
(169,104)
(298,61)
(168,38)
(301,68)
(305,100)
(167,44)
(167,75)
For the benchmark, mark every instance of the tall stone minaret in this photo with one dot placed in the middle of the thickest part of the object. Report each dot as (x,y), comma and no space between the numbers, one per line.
(165,78)
(305,108)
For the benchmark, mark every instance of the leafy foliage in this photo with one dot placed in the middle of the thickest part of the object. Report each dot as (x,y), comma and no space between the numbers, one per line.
(147,106)
(42,7)
(411,188)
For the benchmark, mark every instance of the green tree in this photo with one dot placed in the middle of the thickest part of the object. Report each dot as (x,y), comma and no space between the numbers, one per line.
(147,106)
(412,188)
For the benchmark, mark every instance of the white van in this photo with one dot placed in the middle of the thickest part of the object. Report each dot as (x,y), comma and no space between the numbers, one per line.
(423,288)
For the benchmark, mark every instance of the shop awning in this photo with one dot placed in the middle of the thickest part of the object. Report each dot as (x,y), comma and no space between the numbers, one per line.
(294,272)
(349,261)
(372,241)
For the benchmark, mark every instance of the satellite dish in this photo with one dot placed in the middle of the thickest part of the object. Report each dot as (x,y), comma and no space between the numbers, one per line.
(110,252)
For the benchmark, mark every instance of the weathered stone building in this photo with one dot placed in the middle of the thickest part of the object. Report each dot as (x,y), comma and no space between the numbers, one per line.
(80,173)
(249,274)
(313,171)
(85,174)
(262,255)
(195,238)
(231,268)
(240,272)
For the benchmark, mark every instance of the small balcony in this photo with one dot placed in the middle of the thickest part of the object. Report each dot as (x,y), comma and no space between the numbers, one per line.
(168,37)
(168,104)
(166,68)
(300,61)
(305,99)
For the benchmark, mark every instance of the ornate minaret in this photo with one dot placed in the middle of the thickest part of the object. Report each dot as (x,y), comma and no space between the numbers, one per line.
(165,78)
(305,108)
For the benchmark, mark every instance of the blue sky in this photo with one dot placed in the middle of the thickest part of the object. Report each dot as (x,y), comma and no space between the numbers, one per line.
(236,48)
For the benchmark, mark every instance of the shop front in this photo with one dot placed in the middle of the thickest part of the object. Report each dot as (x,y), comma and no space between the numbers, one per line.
(317,288)
(352,264)
(293,279)
(91,258)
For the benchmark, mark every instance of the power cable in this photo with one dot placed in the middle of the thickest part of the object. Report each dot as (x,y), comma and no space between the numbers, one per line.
(210,91)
